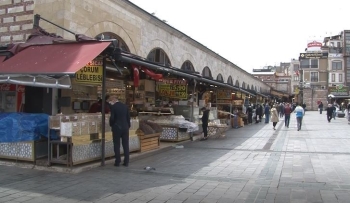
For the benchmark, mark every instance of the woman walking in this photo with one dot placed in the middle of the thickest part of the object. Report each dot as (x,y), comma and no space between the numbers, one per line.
(274,116)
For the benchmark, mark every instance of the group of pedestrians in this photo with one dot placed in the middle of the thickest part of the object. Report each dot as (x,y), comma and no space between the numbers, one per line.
(278,111)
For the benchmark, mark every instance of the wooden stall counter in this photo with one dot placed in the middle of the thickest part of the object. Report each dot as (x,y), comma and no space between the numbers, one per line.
(148,142)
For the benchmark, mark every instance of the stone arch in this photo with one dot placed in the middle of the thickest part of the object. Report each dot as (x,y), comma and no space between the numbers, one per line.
(220,78)
(109,35)
(159,44)
(229,80)
(207,72)
(188,66)
(107,26)
(158,55)
(237,83)
(188,57)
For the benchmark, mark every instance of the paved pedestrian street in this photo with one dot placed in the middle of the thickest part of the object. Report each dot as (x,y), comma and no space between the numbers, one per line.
(251,164)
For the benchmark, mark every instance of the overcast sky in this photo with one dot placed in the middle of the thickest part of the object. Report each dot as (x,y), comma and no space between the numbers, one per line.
(254,33)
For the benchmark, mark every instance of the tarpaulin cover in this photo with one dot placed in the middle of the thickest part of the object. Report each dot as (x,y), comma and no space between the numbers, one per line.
(16,127)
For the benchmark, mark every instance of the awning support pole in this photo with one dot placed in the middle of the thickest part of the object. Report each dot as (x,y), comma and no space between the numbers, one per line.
(103,127)
(37,19)
(192,110)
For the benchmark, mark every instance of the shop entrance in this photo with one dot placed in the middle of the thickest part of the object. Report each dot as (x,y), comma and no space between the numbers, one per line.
(38,100)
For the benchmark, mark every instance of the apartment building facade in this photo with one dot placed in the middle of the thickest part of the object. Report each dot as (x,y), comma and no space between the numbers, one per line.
(313,78)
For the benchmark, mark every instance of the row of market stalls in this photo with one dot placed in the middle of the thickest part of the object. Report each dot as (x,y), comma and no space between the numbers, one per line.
(49,85)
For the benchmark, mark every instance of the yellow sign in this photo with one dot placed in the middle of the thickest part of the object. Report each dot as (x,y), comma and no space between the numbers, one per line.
(296,91)
(224,94)
(173,89)
(90,74)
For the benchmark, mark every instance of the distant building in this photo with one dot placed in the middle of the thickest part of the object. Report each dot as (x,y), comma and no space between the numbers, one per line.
(278,77)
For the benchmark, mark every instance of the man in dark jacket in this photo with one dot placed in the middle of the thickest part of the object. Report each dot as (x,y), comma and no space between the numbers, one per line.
(249,113)
(330,111)
(120,123)
(259,112)
(267,113)
(320,107)
(205,120)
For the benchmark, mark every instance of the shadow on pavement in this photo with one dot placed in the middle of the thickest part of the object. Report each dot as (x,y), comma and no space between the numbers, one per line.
(176,169)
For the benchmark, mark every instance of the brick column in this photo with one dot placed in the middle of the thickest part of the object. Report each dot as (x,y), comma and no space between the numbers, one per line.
(16,19)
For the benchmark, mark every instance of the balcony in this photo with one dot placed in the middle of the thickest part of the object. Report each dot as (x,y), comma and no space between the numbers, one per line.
(336,50)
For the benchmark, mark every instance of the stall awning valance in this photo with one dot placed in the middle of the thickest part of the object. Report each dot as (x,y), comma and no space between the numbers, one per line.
(258,93)
(185,74)
(63,82)
(246,92)
(53,59)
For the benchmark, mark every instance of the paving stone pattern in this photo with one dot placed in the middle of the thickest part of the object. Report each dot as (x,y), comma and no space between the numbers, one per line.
(253,164)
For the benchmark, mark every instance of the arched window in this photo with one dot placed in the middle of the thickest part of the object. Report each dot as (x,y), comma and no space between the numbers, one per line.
(237,83)
(252,87)
(243,85)
(109,35)
(220,78)
(207,73)
(256,89)
(248,87)
(229,80)
(187,66)
(158,55)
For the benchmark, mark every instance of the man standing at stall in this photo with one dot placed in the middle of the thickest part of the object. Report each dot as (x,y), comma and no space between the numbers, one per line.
(205,120)
(120,123)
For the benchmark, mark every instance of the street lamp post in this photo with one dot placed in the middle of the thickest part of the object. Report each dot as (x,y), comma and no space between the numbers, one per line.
(301,86)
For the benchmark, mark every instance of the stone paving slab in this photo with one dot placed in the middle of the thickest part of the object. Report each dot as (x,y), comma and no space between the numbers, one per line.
(251,164)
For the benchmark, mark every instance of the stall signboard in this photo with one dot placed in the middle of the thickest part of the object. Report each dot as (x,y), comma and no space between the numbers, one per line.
(172,88)
(224,94)
(90,74)
(339,90)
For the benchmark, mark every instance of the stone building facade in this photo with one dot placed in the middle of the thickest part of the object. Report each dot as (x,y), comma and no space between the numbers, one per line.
(139,30)
(16,19)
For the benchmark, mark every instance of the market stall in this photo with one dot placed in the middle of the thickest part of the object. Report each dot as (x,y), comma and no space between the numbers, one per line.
(76,145)
(174,127)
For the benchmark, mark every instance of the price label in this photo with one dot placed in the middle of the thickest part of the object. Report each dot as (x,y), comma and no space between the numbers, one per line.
(173,91)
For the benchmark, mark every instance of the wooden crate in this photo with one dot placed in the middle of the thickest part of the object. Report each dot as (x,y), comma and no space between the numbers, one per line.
(149,142)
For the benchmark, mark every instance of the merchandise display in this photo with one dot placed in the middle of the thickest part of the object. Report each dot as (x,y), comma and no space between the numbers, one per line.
(80,134)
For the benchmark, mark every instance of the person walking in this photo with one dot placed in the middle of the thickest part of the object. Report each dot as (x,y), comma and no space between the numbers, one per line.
(334,111)
(258,113)
(329,111)
(205,120)
(281,110)
(267,113)
(249,113)
(320,107)
(299,115)
(274,116)
(287,111)
(120,123)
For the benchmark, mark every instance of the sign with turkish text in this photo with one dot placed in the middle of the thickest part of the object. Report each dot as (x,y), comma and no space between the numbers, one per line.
(90,74)
(224,94)
(172,88)
(313,55)
(314,45)
(339,90)
(334,55)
